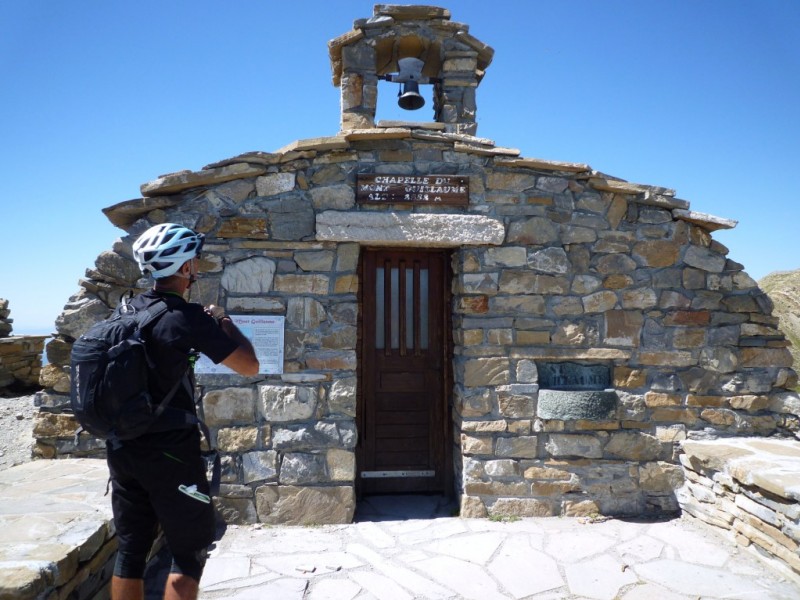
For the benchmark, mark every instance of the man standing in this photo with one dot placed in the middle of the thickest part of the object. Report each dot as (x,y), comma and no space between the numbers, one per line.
(159,478)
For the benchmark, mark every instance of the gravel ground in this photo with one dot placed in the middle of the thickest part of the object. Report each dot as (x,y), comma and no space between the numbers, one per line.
(16,430)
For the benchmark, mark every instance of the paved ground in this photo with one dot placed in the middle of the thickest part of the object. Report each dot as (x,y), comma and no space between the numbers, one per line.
(401,547)
(411,547)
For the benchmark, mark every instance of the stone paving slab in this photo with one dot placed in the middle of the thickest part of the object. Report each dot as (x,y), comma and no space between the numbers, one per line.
(409,547)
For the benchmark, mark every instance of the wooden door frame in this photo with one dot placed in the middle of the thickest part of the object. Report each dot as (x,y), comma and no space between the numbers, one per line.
(447,365)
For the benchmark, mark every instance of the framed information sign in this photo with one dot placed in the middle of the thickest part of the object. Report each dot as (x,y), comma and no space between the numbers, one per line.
(265,332)
(451,190)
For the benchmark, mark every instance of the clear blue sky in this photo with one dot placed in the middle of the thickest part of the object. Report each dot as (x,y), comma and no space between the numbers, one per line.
(100,96)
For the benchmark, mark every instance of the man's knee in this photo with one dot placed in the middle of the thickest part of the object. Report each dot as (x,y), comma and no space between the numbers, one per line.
(190,564)
(130,565)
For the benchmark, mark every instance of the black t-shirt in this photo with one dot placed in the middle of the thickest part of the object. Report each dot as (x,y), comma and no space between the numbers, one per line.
(183,329)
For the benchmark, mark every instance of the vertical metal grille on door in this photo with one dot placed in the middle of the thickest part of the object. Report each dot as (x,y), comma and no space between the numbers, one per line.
(401,308)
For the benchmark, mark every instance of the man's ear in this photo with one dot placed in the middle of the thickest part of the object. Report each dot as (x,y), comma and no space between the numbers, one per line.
(186,268)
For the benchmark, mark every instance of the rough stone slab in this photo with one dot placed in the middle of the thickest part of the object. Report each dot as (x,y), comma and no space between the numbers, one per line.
(572,445)
(176,182)
(222,569)
(601,577)
(244,227)
(335,142)
(469,139)
(335,50)
(461,576)
(661,200)
(699,581)
(538,163)
(773,465)
(570,353)
(447,25)
(295,155)
(256,157)
(274,184)
(250,276)
(485,52)
(430,136)
(293,505)
(381,22)
(124,214)
(675,358)
(511,568)
(387,133)
(705,259)
(606,184)
(482,150)
(402,12)
(410,229)
(706,221)
(23,339)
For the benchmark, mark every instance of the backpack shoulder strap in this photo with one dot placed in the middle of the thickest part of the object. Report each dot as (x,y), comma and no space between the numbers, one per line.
(151,313)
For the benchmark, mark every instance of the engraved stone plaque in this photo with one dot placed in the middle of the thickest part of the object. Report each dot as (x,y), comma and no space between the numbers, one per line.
(572,391)
(573,376)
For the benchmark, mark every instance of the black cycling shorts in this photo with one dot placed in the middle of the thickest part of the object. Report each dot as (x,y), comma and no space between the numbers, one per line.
(161,485)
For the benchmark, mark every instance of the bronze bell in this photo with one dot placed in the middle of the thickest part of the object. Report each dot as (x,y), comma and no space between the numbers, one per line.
(410,99)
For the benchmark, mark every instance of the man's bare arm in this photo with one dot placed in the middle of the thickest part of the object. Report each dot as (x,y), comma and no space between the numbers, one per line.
(242,360)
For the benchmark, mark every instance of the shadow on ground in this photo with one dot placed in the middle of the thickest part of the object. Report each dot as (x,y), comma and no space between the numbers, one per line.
(404,506)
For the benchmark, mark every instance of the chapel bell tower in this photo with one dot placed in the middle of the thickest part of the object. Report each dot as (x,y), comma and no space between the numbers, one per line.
(410,46)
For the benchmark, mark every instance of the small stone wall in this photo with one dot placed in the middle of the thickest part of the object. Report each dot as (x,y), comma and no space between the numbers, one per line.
(59,541)
(58,535)
(20,356)
(751,489)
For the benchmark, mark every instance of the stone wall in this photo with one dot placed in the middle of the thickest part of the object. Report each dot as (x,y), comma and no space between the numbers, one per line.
(749,488)
(20,356)
(552,262)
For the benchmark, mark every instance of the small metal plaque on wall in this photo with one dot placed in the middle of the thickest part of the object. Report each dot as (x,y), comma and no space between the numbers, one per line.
(573,376)
(452,190)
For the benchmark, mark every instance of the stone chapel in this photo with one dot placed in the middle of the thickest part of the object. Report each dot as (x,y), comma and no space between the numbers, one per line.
(438,314)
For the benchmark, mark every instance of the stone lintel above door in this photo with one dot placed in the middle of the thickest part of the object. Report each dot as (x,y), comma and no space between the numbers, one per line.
(410,229)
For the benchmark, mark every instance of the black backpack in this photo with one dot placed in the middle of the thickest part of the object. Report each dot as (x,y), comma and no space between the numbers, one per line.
(109,368)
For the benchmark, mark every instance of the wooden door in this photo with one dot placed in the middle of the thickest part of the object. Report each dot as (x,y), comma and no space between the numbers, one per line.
(404,431)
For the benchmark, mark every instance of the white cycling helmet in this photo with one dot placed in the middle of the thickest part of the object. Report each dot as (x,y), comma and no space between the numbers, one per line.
(162,249)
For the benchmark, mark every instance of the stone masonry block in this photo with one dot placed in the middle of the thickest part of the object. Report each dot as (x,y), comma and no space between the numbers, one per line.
(229,406)
(482,372)
(296,505)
